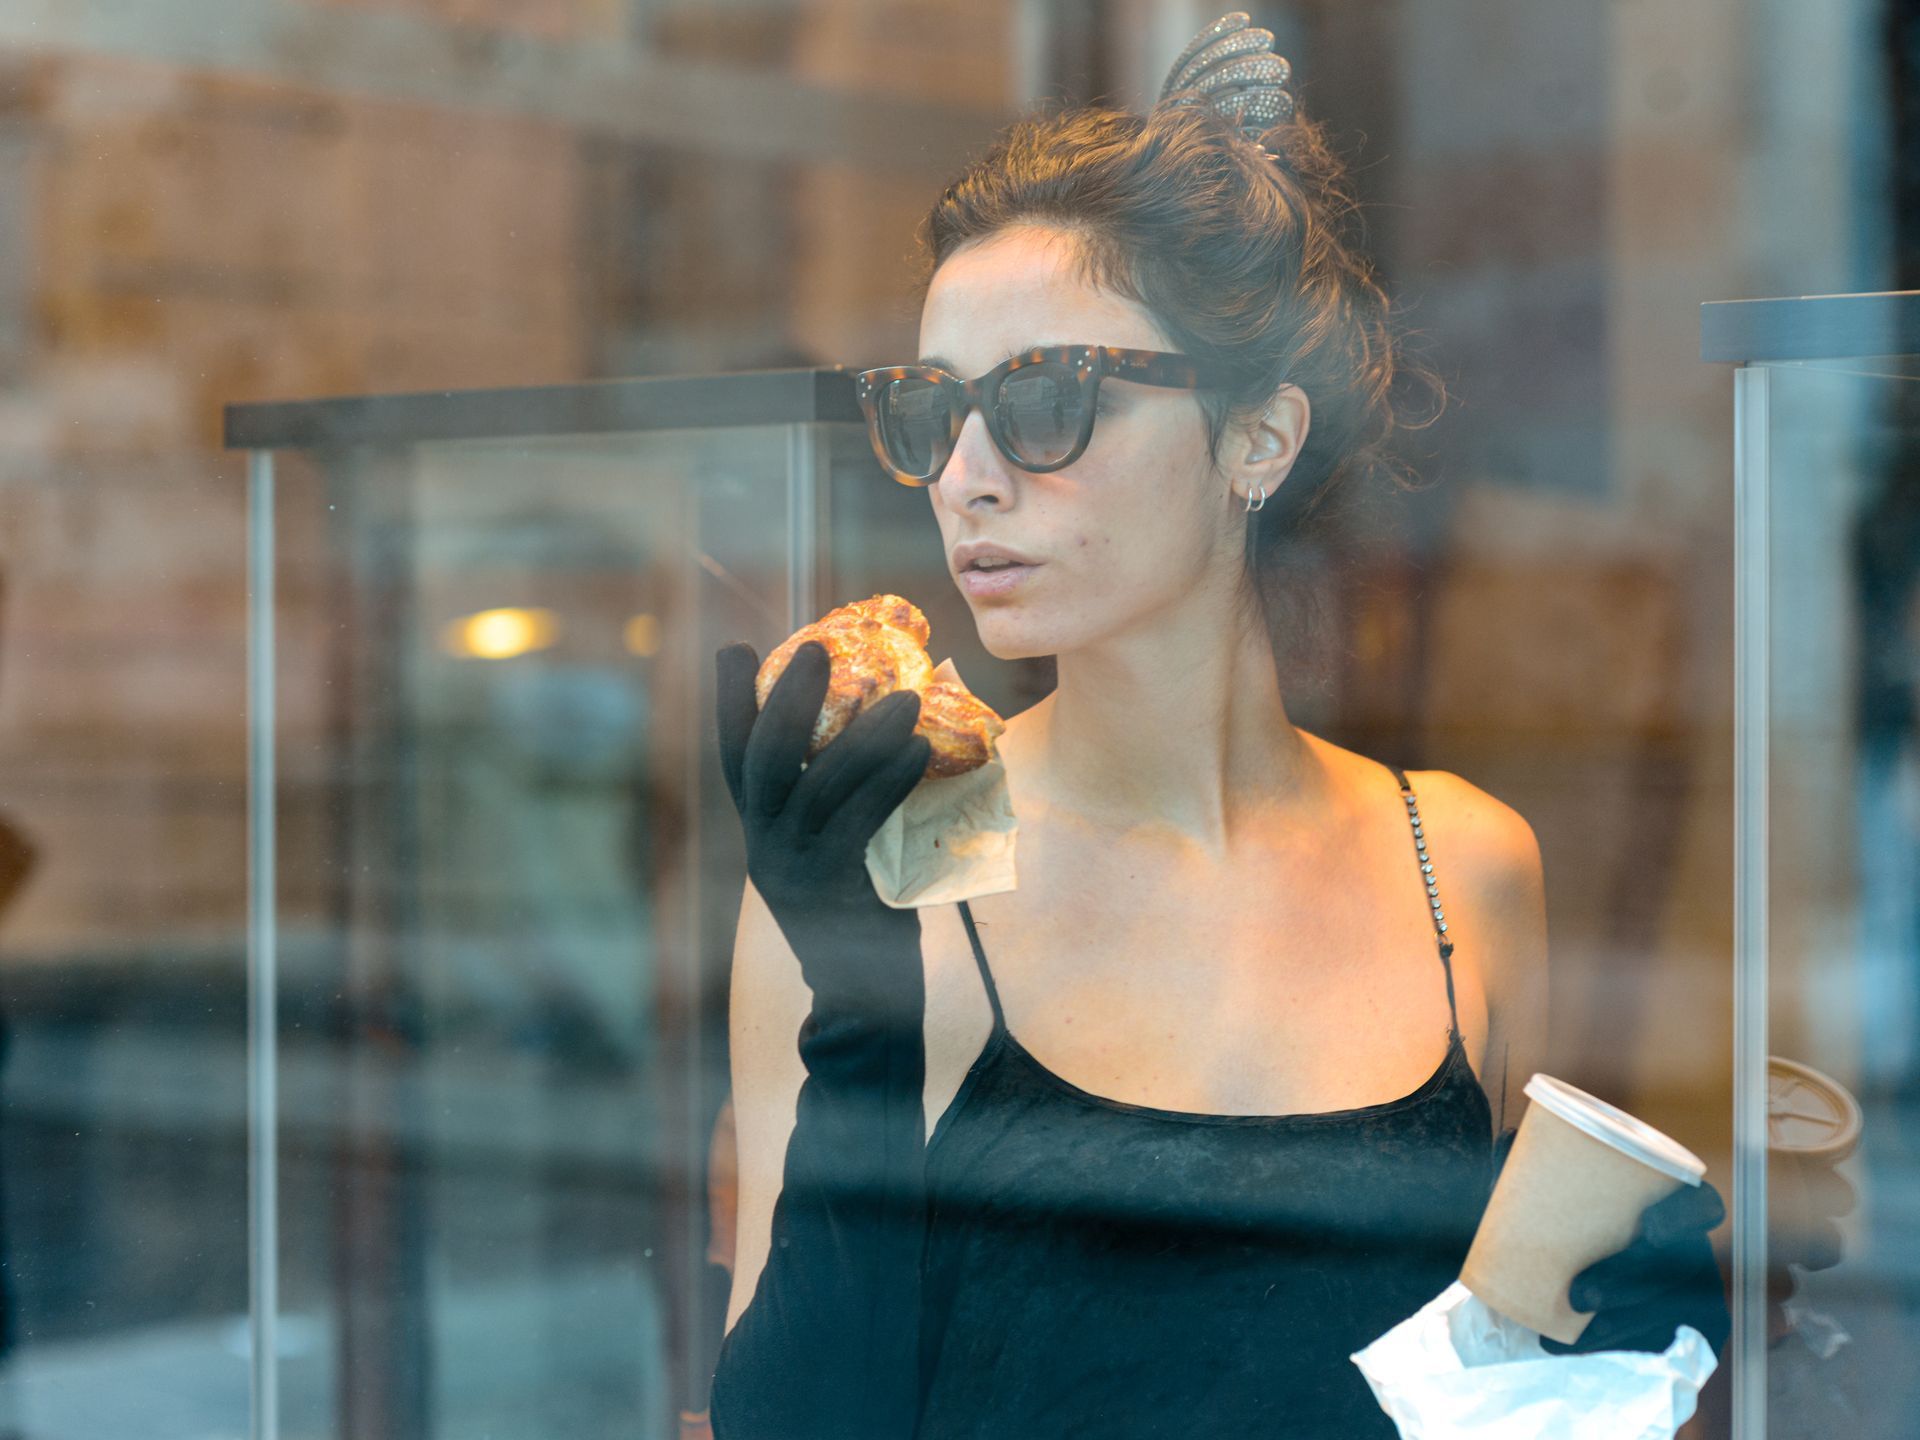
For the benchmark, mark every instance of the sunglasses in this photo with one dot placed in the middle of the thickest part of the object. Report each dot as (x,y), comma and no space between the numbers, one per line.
(1039,406)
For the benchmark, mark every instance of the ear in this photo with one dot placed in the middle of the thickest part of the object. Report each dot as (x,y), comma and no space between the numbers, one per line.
(1264,454)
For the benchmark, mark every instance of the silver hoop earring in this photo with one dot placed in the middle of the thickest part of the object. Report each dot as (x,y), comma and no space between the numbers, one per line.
(1261,492)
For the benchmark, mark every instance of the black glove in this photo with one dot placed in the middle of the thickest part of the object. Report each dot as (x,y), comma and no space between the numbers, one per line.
(1667,1277)
(829,1345)
(807,829)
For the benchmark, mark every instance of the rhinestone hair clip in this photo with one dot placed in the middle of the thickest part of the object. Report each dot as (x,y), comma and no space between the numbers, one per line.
(1231,66)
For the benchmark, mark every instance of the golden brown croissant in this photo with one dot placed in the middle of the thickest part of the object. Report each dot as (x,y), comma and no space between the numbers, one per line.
(875,647)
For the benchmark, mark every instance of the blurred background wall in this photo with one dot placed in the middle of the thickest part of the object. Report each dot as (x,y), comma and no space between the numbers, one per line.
(211,202)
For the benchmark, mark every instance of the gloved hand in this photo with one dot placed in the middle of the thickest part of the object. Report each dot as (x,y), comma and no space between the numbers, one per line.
(1667,1277)
(829,1346)
(807,829)
(1805,1200)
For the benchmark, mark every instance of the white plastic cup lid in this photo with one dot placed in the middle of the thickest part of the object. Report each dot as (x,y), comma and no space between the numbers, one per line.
(1613,1126)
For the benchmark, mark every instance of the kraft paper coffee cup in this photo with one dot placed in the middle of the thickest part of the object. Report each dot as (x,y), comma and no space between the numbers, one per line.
(1578,1176)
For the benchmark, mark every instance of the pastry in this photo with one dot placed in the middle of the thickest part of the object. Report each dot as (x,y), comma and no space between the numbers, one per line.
(875,647)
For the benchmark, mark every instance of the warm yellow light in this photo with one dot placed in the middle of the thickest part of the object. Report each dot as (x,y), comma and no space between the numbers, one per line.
(501,634)
(643,635)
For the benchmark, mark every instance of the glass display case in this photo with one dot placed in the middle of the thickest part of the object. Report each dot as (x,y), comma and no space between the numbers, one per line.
(1825,1238)
(494,875)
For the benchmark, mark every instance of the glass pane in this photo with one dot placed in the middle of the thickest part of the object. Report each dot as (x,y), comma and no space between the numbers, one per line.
(503,968)
(1843,1312)
(123,1019)
(508,883)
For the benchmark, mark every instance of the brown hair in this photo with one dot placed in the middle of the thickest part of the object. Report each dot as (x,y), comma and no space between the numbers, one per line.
(1245,264)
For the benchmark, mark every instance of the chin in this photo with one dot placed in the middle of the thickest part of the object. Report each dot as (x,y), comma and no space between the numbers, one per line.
(1014,651)
(1006,635)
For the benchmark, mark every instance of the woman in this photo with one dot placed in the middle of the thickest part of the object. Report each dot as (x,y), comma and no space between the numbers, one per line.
(1151,1144)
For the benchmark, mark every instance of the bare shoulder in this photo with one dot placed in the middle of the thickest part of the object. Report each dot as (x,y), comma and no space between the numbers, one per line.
(1491,844)
(1486,858)
(1491,857)
(1483,843)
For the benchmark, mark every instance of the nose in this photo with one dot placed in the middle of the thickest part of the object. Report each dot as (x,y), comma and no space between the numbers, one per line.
(976,475)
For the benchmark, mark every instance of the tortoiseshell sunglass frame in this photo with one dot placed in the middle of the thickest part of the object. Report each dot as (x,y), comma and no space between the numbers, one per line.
(1090,364)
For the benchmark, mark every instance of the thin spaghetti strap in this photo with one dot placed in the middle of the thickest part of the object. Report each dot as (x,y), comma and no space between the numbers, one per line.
(986,975)
(1433,893)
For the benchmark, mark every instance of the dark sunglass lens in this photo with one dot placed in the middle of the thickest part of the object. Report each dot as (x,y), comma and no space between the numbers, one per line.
(914,425)
(1040,409)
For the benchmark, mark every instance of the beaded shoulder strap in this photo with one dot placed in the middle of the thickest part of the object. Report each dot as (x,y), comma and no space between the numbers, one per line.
(1433,888)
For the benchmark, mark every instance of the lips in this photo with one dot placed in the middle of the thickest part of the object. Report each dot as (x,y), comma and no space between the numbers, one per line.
(987,556)
(986,569)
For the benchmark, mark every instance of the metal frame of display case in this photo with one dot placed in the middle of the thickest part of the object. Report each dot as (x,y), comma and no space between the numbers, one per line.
(1878,334)
(799,398)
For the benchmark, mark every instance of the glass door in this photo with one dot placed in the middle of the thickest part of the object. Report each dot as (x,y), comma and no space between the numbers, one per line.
(1826,1232)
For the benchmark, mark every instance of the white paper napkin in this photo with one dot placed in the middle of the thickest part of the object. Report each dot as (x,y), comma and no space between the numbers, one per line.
(1456,1370)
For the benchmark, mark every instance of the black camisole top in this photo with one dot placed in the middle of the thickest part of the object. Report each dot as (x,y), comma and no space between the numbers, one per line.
(1095,1268)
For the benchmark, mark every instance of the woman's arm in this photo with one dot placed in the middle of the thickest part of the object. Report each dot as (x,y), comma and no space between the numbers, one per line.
(766,1004)
(1514,961)
(827,1344)
(823,1337)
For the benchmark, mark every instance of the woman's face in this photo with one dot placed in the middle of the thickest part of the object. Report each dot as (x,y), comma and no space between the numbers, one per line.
(1138,522)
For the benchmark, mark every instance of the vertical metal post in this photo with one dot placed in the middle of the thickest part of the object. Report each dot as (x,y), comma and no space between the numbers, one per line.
(1751,637)
(807,472)
(262,1101)
(684,949)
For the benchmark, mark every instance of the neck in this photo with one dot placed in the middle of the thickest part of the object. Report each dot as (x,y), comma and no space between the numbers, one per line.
(1179,729)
